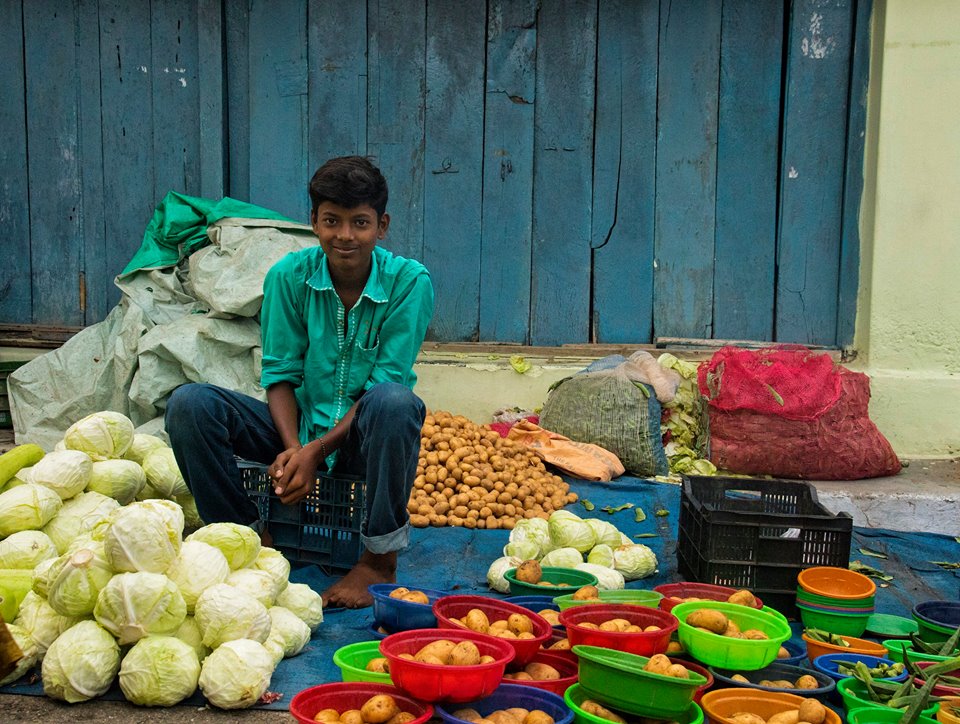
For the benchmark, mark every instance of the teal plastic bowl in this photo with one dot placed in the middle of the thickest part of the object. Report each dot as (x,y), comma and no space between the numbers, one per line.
(631,597)
(561,580)
(726,652)
(575,696)
(873,715)
(845,624)
(855,696)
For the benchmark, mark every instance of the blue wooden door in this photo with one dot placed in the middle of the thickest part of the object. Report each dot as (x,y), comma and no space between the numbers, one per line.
(572,171)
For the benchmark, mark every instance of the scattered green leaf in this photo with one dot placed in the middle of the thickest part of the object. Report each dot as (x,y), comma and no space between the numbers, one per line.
(611,509)
(947,565)
(776,395)
(520,364)
(869,571)
(662,513)
(587,505)
(872,553)
(638,515)
(646,535)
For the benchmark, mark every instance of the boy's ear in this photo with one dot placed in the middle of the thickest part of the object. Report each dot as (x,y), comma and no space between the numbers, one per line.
(384,225)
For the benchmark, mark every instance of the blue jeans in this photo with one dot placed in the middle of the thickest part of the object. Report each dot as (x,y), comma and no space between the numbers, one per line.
(209,427)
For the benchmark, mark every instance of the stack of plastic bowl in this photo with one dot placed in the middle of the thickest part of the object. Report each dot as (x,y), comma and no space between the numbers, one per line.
(837,600)
(937,620)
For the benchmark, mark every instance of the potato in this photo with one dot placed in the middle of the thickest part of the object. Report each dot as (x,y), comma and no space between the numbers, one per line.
(710,619)
(675,647)
(745,717)
(401,717)
(518,676)
(783,653)
(744,598)
(379,664)
(754,634)
(487,659)
(538,716)
(783,684)
(658,664)
(351,716)
(519,713)
(791,716)
(541,672)
(559,645)
(550,616)
(408,657)
(464,653)
(807,682)
(592,707)
(589,625)
(529,572)
(327,715)
(732,630)
(398,592)
(415,597)
(678,671)
(519,623)
(650,629)
(586,593)
(812,711)
(634,629)
(431,659)
(741,678)
(501,716)
(476,620)
(440,649)
(526,635)
(503,633)
(379,709)
(467,714)
(610,626)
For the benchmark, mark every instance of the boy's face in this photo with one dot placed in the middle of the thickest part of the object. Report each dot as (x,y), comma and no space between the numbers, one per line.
(348,236)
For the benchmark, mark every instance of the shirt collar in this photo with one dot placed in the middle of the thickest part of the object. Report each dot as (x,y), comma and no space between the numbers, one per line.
(373,289)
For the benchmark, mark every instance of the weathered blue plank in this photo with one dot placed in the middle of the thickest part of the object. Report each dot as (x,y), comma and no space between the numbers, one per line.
(212,119)
(686,168)
(338,80)
(278,106)
(99,262)
(508,171)
(562,190)
(849,274)
(395,114)
(624,171)
(52,163)
(453,160)
(128,158)
(814,141)
(15,291)
(237,23)
(176,98)
(747,163)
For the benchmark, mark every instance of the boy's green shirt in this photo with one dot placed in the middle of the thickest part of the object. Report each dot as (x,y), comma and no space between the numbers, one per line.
(330,355)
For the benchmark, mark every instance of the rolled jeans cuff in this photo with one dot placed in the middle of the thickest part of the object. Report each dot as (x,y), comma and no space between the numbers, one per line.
(388,542)
(258,525)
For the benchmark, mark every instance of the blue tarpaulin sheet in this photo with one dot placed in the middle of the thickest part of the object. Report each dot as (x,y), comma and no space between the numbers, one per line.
(456,560)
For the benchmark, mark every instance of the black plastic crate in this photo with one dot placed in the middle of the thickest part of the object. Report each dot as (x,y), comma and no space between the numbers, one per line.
(6,419)
(323,528)
(757,534)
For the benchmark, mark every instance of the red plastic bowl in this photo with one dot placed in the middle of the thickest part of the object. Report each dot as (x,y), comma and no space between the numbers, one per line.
(643,644)
(702,670)
(352,695)
(433,682)
(558,635)
(938,689)
(451,607)
(685,589)
(567,666)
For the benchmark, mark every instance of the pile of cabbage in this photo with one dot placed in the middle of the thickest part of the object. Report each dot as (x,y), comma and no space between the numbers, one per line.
(119,593)
(683,421)
(566,540)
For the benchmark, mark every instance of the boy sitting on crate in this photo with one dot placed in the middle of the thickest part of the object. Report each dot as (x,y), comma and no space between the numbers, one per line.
(341,327)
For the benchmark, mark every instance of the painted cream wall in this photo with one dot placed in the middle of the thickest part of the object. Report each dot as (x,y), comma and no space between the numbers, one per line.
(908,320)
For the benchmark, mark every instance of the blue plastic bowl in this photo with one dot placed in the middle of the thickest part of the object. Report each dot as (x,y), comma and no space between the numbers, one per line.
(508,696)
(396,615)
(828,664)
(937,620)
(798,653)
(724,679)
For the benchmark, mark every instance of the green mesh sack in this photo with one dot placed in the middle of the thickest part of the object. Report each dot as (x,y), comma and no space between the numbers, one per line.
(609,409)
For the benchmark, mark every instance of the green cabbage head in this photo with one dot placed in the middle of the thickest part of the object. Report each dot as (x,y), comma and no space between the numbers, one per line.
(562,558)
(81,664)
(197,567)
(569,531)
(66,472)
(225,613)
(77,517)
(121,480)
(239,543)
(601,555)
(495,573)
(159,671)
(288,633)
(635,561)
(101,435)
(608,579)
(236,674)
(304,602)
(163,475)
(134,605)
(27,507)
(75,581)
(140,539)
(142,445)
(26,549)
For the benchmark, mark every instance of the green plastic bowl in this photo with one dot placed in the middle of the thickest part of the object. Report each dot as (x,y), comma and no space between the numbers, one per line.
(616,679)
(352,661)
(845,624)
(631,597)
(729,653)
(564,580)
(574,696)
(886,625)
(896,647)
(874,715)
(855,696)
(865,602)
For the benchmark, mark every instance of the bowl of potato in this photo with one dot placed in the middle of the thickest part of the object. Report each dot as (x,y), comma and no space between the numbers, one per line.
(628,596)
(685,591)
(357,703)
(446,664)
(749,706)
(398,608)
(362,661)
(729,635)
(509,704)
(778,677)
(589,711)
(523,629)
(634,629)
(530,578)
(654,686)
(549,670)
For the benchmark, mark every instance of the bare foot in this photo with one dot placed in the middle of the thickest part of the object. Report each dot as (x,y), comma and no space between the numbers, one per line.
(351,590)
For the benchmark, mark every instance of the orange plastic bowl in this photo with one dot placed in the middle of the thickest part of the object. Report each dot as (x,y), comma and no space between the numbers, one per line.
(436,682)
(306,704)
(839,583)
(720,704)
(642,644)
(450,607)
(857,646)
(687,589)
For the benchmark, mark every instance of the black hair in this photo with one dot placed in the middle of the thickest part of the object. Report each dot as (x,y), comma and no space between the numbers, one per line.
(348,181)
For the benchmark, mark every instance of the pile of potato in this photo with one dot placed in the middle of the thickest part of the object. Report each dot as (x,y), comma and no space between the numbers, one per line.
(379,709)
(405,594)
(592,707)
(810,711)
(469,476)
(803,682)
(716,622)
(515,626)
(660,664)
(742,597)
(534,671)
(505,716)
(444,652)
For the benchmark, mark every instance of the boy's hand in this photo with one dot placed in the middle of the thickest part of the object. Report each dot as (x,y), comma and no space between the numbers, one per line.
(294,473)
